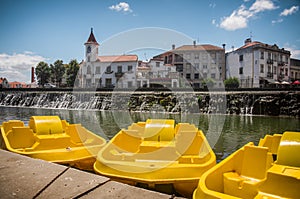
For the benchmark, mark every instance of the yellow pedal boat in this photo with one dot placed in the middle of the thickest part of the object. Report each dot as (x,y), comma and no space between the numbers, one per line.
(157,155)
(52,139)
(268,171)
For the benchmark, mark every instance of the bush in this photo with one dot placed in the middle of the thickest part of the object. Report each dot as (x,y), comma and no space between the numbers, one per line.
(232,82)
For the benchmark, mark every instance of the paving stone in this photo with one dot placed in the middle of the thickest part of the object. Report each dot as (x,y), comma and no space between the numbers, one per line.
(118,190)
(72,183)
(23,177)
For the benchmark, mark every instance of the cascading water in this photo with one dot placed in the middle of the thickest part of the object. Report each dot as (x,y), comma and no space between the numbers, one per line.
(206,103)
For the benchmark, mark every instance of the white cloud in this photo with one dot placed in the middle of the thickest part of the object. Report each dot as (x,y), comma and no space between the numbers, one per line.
(122,6)
(290,11)
(277,21)
(295,53)
(239,18)
(262,5)
(17,67)
(233,22)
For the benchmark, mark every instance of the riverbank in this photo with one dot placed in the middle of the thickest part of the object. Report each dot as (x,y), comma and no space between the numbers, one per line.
(23,177)
(260,102)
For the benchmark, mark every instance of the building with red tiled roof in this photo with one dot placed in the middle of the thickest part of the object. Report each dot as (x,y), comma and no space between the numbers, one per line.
(4,83)
(106,71)
(257,64)
(197,62)
(16,84)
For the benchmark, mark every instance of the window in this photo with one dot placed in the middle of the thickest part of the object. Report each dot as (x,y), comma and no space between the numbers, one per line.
(98,70)
(204,75)
(108,69)
(275,70)
(188,76)
(286,71)
(274,57)
(269,68)
(262,54)
(204,66)
(129,84)
(269,56)
(241,71)
(196,75)
(196,56)
(188,66)
(129,67)
(108,82)
(88,70)
(213,75)
(157,64)
(241,58)
(262,68)
(119,69)
(280,58)
(188,56)
(197,65)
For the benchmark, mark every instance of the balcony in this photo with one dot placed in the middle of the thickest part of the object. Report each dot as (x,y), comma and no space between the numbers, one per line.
(269,61)
(119,74)
(280,63)
(269,75)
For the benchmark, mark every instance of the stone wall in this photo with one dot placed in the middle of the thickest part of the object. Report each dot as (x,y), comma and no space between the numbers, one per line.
(257,103)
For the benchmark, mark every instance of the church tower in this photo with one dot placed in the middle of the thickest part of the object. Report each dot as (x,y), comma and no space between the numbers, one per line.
(91,48)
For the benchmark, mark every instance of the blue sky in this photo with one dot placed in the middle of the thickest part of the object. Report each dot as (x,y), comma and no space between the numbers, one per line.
(47,30)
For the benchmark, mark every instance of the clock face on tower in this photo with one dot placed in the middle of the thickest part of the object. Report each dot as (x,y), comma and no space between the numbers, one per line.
(88,50)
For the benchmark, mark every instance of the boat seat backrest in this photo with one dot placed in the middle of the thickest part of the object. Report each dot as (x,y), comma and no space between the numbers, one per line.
(188,140)
(7,126)
(289,149)
(76,132)
(256,161)
(21,137)
(272,142)
(159,130)
(45,125)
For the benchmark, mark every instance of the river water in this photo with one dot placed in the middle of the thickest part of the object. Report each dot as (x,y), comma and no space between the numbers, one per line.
(225,133)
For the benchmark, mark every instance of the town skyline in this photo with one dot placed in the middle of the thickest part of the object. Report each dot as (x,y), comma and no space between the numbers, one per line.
(50,30)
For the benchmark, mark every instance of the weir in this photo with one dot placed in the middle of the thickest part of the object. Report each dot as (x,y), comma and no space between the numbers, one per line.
(256,103)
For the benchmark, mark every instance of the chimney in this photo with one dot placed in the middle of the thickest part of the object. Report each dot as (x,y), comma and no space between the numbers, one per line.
(194,42)
(224,46)
(32,74)
(173,46)
(247,41)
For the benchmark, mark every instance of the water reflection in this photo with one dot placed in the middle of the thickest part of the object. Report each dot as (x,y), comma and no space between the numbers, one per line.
(225,133)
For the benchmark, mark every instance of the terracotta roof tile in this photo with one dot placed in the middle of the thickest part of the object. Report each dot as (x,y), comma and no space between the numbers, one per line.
(250,44)
(206,47)
(118,58)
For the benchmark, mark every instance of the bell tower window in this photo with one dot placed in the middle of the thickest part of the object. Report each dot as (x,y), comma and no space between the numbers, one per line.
(88,50)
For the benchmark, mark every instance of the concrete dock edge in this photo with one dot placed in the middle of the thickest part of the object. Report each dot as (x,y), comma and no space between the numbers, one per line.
(24,177)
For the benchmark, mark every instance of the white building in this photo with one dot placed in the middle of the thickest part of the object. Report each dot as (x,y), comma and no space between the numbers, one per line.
(196,63)
(106,71)
(256,64)
(155,72)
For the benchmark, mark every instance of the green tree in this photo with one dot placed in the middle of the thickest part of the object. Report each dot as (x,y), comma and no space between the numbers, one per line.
(232,82)
(72,70)
(208,82)
(57,71)
(42,72)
